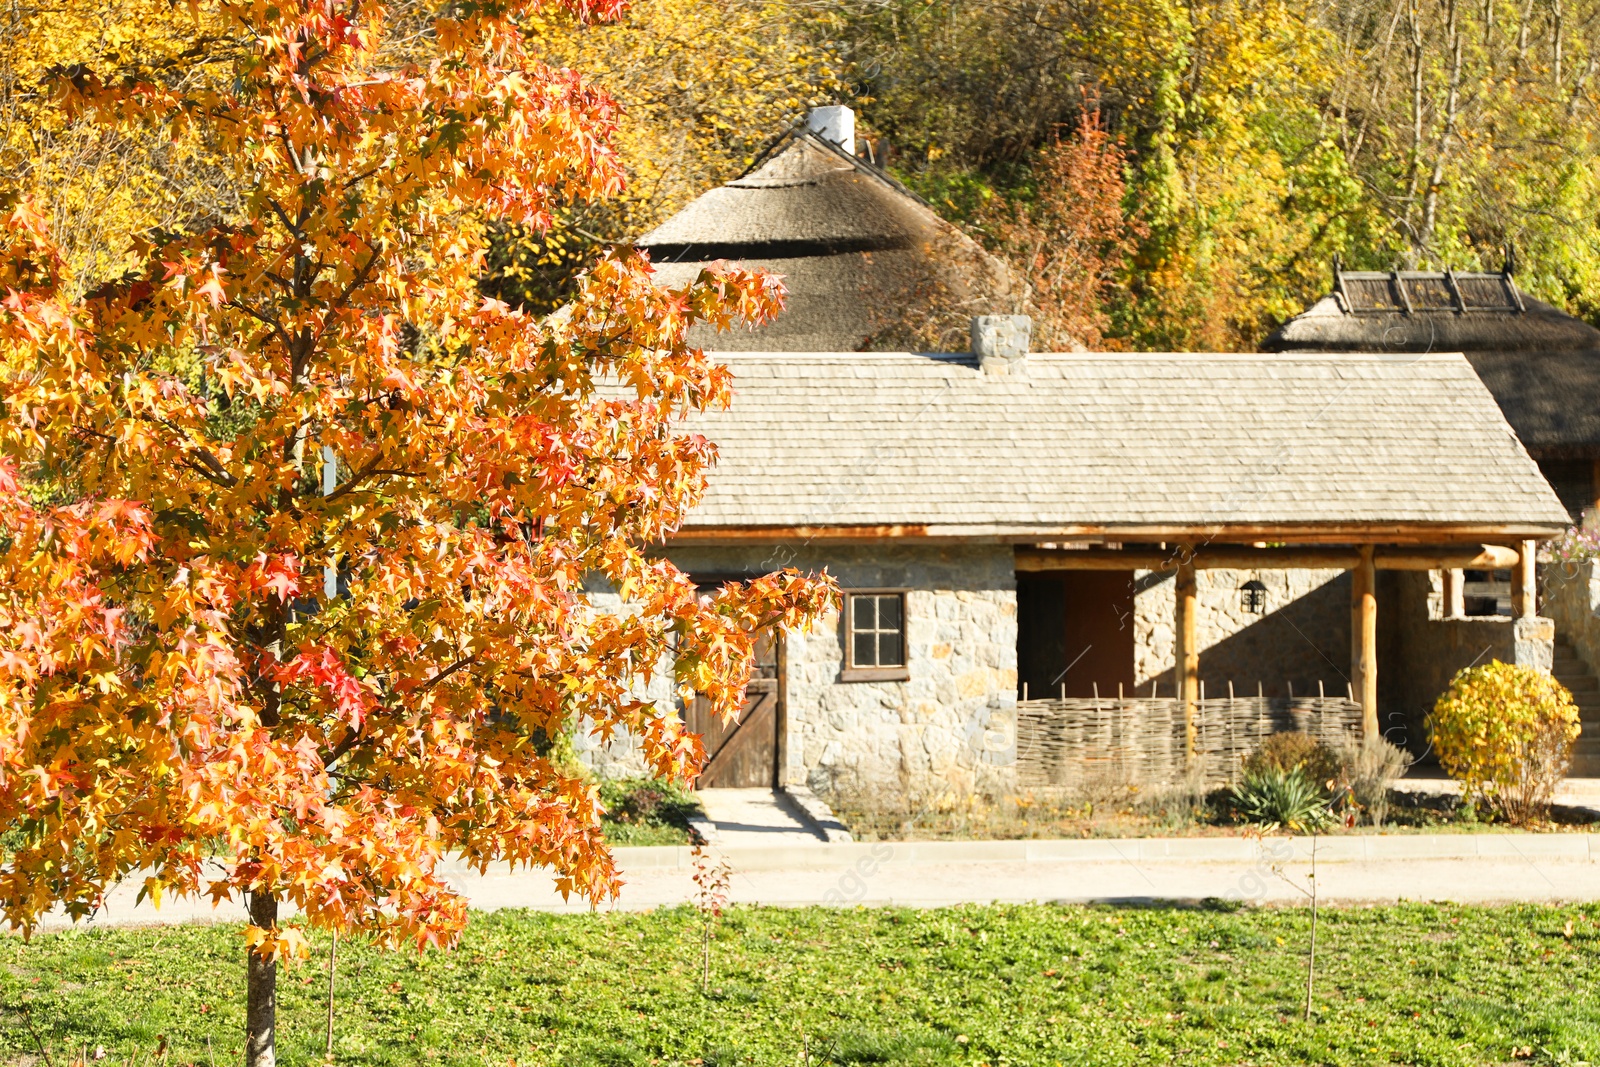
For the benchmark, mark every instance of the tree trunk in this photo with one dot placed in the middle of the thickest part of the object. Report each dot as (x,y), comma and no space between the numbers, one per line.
(261,1011)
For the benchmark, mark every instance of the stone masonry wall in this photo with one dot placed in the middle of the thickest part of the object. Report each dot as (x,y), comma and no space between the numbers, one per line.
(1571,596)
(949,729)
(1425,651)
(1303,639)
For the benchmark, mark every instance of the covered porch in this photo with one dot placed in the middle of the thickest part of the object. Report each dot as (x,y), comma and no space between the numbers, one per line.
(1090,695)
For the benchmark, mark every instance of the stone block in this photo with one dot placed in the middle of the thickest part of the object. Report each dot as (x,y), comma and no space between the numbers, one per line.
(1533,643)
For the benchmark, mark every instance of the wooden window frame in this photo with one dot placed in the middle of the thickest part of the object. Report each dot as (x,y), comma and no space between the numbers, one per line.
(849,672)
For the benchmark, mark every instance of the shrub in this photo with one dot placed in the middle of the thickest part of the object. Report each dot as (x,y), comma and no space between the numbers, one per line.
(646,811)
(1273,797)
(1366,767)
(1505,732)
(1291,749)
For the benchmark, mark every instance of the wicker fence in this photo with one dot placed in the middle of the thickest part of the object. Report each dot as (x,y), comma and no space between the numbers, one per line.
(1139,741)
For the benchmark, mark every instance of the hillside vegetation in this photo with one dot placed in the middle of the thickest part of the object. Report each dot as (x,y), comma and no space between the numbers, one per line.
(1169,175)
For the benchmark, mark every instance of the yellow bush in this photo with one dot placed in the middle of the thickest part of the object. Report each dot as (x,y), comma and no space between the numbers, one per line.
(1505,732)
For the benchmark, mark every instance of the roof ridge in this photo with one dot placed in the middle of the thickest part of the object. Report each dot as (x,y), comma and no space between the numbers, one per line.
(800,131)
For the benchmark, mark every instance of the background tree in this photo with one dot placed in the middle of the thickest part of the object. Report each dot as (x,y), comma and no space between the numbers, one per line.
(1071,240)
(702,88)
(1263,137)
(96,185)
(297,524)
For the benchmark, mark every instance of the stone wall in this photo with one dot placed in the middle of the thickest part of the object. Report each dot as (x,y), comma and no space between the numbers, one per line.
(1571,596)
(1423,651)
(1303,639)
(950,728)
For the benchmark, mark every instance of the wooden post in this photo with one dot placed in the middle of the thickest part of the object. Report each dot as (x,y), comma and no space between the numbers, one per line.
(1455,593)
(1187,658)
(1364,640)
(1524,581)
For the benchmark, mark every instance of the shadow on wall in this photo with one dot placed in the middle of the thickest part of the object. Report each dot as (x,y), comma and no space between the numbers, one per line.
(1300,644)
(1418,653)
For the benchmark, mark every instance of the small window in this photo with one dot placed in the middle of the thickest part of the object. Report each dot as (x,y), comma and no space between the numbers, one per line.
(875,637)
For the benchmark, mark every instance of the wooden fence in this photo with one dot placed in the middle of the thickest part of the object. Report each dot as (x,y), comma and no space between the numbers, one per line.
(1139,741)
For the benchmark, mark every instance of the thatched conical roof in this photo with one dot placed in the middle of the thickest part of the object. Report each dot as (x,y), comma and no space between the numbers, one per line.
(1541,364)
(865,262)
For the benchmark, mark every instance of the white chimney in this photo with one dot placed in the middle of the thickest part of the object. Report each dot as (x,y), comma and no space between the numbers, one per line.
(835,123)
(1001,342)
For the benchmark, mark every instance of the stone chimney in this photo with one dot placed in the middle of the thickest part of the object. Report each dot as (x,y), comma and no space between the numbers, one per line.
(1001,342)
(835,123)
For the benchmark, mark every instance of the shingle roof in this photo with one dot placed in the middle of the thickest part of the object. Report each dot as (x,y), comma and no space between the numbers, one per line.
(1115,441)
(1541,364)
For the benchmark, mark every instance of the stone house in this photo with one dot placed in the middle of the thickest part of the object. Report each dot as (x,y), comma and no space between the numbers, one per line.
(1058,557)
(1017,534)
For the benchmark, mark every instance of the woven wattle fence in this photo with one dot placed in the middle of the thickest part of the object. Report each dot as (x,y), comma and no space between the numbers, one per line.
(1140,740)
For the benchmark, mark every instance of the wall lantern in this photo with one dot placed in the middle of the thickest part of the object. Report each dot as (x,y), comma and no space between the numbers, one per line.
(1253,597)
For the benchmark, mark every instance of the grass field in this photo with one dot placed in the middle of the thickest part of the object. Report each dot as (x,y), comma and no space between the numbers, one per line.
(1024,986)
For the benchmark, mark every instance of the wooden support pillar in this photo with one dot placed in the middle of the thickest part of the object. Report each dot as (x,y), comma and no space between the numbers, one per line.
(1594,492)
(1524,581)
(1364,639)
(1455,593)
(1187,652)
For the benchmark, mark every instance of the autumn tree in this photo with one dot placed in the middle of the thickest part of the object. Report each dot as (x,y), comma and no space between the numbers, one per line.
(295,524)
(1475,126)
(1071,239)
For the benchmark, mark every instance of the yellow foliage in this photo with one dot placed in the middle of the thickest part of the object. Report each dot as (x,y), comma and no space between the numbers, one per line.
(96,186)
(702,87)
(1223,81)
(1506,733)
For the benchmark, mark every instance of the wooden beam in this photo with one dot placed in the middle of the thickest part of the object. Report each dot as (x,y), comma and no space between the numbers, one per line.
(1364,639)
(1524,582)
(1186,658)
(1469,557)
(1389,533)
(1455,590)
(1420,558)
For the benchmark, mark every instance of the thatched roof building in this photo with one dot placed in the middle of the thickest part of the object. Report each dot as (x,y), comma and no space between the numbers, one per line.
(867,263)
(1541,364)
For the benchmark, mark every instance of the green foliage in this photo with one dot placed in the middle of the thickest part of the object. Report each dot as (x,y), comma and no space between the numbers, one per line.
(1030,986)
(1506,732)
(1290,750)
(646,811)
(1273,798)
(887,1046)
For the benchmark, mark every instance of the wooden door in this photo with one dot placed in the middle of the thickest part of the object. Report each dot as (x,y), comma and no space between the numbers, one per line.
(1075,630)
(743,753)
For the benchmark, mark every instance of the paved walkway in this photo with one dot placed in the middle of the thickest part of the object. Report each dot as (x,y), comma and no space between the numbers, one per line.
(756,818)
(1578,792)
(1350,869)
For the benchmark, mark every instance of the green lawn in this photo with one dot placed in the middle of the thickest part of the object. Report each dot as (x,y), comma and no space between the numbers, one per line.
(1023,986)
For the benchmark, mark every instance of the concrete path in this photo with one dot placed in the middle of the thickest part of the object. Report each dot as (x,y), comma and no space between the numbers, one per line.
(1479,868)
(756,818)
(1577,792)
